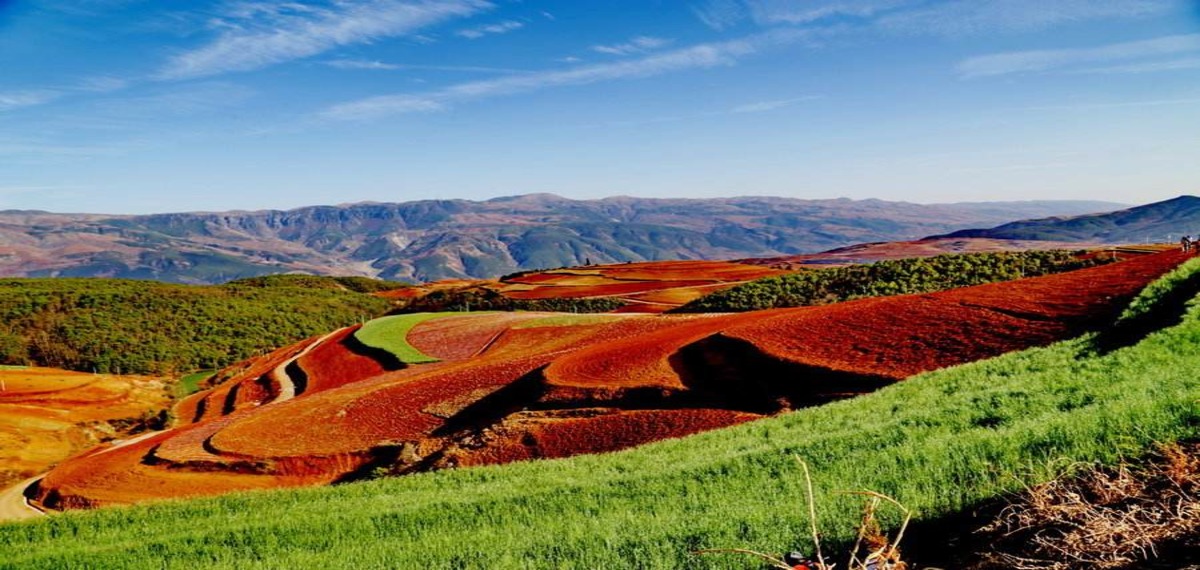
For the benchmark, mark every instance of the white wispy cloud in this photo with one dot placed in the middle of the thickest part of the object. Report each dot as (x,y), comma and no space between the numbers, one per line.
(972,17)
(490,29)
(384,66)
(362,64)
(720,15)
(1047,60)
(694,57)
(253,35)
(1145,67)
(10,100)
(103,84)
(765,106)
(640,44)
(768,12)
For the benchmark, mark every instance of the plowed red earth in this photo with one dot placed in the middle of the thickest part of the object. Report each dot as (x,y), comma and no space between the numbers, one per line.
(334,363)
(506,392)
(458,338)
(552,435)
(634,279)
(606,290)
(248,385)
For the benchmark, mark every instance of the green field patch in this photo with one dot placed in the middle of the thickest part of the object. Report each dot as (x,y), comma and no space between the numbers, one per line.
(190,384)
(390,334)
(941,443)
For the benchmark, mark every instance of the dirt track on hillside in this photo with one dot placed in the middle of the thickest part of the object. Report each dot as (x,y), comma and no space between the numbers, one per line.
(13,506)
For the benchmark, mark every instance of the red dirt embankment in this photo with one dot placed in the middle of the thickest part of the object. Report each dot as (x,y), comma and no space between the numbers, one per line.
(508,392)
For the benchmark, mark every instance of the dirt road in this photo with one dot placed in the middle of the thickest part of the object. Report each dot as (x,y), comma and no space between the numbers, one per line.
(13,506)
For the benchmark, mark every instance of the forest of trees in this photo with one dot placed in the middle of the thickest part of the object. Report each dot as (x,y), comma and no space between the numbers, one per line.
(483,299)
(146,327)
(896,277)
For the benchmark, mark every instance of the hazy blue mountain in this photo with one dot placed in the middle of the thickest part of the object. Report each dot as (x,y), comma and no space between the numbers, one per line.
(437,239)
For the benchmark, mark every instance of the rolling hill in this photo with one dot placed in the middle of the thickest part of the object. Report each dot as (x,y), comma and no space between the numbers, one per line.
(1160,221)
(440,239)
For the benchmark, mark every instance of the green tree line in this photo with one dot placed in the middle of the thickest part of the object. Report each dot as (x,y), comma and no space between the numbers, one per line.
(892,277)
(482,299)
(145,327)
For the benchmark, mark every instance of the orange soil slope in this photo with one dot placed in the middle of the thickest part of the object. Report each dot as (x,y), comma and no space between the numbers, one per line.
(514,392)
(653,286)
(46,415)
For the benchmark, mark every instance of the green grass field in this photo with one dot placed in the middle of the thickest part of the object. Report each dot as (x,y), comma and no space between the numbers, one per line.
(390,334)
(190,384)
(940,443)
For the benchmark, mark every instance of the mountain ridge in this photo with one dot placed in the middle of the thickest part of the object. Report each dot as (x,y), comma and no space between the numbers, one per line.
(436,239)
(1161,221)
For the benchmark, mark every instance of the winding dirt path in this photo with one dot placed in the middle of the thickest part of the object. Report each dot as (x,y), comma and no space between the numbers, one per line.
(287,387)
(14,506)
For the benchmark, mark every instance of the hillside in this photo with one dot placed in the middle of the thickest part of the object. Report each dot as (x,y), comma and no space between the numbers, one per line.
(421,392)
(943,443)
(432,240)
(1158,222)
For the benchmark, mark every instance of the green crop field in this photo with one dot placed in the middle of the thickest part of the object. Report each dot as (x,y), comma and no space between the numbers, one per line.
(390,334)
(940,443)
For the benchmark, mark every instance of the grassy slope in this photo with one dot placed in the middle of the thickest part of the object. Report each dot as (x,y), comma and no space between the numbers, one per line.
(940,442)
(190,384)
(390,334)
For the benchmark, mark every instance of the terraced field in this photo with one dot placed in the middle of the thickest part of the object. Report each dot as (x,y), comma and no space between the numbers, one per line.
(47,415)
(499,387)
(650,287)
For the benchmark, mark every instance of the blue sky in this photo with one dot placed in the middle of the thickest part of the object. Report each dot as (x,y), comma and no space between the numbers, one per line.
(135,106)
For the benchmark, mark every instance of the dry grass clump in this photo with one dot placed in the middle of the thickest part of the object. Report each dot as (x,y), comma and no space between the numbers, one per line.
(873,548)
(1103,518)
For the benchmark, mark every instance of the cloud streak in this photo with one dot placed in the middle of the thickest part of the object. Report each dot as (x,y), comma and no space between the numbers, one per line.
(975,17)
(375,65)
(771,12)
(10,100)
(765,106)
(640,44)
(490,29)
(694,57)
(1039,61)
(257,35)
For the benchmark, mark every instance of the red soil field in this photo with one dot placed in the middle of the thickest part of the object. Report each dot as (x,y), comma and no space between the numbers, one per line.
(575,387)
(332,363)
(608,290)
(548,435)
(458,338)
(248,385)
(632,280)
(901,336)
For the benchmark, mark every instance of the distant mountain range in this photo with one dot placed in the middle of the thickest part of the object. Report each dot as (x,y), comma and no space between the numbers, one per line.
(1158,222)
(429,240)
